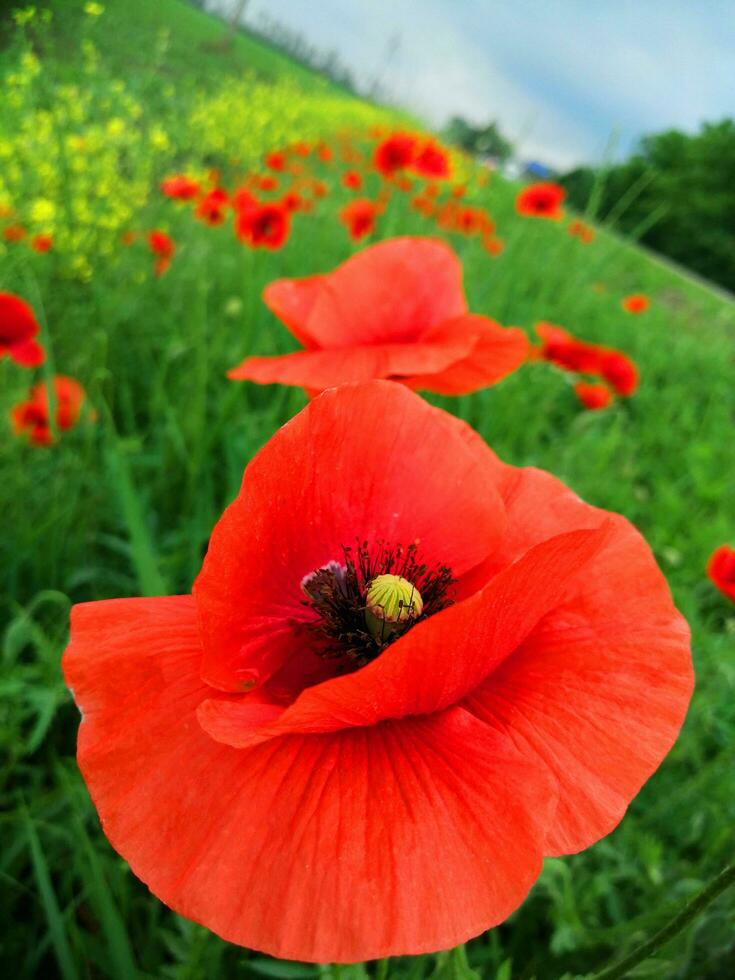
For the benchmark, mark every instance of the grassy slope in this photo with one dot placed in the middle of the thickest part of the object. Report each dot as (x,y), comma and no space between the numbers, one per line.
(126,506)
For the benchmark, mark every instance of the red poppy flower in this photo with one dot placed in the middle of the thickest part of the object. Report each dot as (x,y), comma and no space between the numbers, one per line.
(582,231)
(18,330)
(163,247)
(620,372)
(721,570)
(593,396)
(359,217)
(560,348)
(398,647)
(432,161)
(292,201)
(212,208)
(180,187)
(263,225)
(459,190)
(423,204)
(636,303)
(324,153)
(319,188)
(493,246)
(541,201)
(275,160)
(394,310)
(32,417)
(394,153)
(301,149)
(267,183)
(42,243)
(14,233)
(352,180)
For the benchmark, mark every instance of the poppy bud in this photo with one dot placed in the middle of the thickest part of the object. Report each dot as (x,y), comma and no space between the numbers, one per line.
(391,603)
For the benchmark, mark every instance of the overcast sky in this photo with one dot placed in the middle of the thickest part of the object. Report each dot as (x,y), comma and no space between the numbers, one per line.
(559,75)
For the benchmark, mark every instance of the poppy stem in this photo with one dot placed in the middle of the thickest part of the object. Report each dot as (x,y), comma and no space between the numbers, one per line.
(680,921)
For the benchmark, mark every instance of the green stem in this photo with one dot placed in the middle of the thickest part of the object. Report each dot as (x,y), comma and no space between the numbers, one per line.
(381,971)
(675,926)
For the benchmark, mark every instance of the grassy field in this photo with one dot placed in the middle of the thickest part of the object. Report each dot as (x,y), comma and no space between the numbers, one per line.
(124,504)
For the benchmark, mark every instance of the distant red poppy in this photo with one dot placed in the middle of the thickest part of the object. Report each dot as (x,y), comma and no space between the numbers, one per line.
(408,673)
(593,396)
(566,351)
(42,243)
(541,201)
(212,208)
(319,188)
(359,217)
(620,372)
(580,230)
(301,149)
(636,303)
(394,153)
(263,225)
(432,160)
(423,204)
(275,160)
(180,187)
(163,247)
(394,310)
(14,233)
(493,246)
(324,153)
(292,201)
(32,417)
(127,238)
(459,190)
(352,180)
(267,183)
(18,330)
(721,570)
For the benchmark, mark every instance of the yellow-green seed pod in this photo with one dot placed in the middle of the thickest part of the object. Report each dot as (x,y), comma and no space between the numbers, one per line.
(392,603)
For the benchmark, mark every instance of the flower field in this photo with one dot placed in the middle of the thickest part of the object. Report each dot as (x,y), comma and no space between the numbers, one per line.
(197,240)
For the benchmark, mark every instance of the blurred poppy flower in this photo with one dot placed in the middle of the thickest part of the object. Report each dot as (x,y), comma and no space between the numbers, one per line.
(263,225)
(42,243)
(636,303)
(275,160)
(18,331)
(324,153)
(319,188)
(301,149)
(127,238)
(619,371)
(561,348)
(163,247)
(212,209)
(180,187)
(394,153)
(292,201)
(394,310)
(398,648)
(493,246)
(541,201)
(14,233)
(32,417)
(593,396)
(267,183)
(359,217)
(721,570)
(582,231)
(352,180)
(458,191)
(432,161)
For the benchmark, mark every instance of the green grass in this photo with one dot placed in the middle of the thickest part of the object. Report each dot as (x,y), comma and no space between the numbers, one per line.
(124,506)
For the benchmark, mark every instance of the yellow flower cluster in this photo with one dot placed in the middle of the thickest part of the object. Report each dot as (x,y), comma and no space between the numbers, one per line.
(77,161)
(246,118)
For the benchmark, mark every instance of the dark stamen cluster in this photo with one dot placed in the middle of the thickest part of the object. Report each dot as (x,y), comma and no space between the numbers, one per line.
(337,593)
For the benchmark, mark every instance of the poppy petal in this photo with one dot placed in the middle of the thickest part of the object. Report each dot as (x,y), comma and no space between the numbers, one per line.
(443,346)
(314,848)
(392,292)
(439,661)
(498,352)
(27,354)
(292,300)
(405,473)
(599,690)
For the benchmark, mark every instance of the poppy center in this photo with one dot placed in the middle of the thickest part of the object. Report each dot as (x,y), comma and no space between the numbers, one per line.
(371,598)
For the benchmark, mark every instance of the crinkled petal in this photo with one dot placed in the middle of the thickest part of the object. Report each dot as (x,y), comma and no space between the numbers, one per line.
(405,838)
(292,301)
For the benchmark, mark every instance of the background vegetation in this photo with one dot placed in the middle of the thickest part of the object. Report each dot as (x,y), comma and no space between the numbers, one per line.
(124,505)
